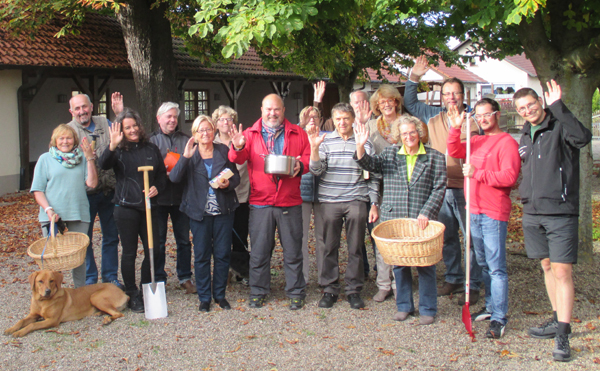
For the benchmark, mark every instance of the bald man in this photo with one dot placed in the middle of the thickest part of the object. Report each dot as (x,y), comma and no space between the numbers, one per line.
(275,201)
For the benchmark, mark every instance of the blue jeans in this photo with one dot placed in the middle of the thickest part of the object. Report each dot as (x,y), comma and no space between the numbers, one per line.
(102,205)
(212,236)
(489,241)
(453,216)
(181,232)
(427,290)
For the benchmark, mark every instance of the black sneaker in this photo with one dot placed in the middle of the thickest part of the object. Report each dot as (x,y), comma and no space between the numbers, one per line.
(546,330)
(562,350)
(495,331)
(296,303)
(136,302)
(257,302)
(355,301)
(327,300)
(482,315)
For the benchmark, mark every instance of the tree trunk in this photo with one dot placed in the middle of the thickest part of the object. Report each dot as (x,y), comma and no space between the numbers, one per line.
(577,91)
(345,83)
(147,35)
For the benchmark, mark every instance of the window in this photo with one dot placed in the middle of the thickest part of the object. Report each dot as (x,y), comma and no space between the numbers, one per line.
(196,103)
(102,104)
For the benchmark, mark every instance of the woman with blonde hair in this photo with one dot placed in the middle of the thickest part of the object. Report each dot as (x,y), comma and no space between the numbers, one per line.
(58,185)
(224,117)
(386,104)
(210,208)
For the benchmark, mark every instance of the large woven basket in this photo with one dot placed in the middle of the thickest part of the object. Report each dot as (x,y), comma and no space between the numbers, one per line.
(63,252)
(402,242)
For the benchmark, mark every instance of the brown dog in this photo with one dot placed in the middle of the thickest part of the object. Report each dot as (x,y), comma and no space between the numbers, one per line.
(55,304)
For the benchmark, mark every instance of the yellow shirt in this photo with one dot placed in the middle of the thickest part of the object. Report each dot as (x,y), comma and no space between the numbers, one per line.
(411,160)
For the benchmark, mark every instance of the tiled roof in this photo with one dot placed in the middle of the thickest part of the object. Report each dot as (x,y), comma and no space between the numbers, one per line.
(522,62)
(391,78)
(85,51)
(455,71)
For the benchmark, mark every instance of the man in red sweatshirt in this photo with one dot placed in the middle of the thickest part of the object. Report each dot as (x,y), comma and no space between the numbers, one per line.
(492,171)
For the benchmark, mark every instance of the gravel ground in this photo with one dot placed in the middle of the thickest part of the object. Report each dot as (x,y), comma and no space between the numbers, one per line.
(275,338)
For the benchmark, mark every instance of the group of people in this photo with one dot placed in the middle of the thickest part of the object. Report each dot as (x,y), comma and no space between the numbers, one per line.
(378,158)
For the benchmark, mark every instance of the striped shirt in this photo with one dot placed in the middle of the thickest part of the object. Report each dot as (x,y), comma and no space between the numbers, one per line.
(341,179)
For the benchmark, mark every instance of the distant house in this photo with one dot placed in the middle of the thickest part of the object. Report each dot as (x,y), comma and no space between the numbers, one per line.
(38,77)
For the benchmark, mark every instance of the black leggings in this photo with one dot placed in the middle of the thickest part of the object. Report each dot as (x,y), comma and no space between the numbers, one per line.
(131,223)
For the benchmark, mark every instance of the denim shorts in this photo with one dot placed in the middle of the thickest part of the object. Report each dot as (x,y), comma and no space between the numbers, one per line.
(551,236)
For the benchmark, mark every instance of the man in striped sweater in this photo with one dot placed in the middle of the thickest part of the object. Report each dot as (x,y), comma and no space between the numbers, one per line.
(346,195)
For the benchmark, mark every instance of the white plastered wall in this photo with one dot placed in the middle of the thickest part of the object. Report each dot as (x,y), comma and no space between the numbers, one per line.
(10,80)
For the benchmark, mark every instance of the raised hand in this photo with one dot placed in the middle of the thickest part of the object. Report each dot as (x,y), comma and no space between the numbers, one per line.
(554,92)
(305,118)
(363,112)
(456,119)
(361,135)
(420,68)
(116,135)
(86,147)
(116,100)
(190,146)
(237,136)
(314,138)
(319,91)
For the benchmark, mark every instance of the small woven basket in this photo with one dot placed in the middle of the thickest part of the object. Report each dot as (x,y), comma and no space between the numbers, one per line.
(402,242)
(63,252)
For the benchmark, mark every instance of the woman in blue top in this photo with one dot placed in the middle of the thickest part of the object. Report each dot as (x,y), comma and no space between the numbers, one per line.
(211,210)
(58,185)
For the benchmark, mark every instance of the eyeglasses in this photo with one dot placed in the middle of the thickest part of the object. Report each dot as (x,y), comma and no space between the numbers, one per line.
(449,94)
(384,102)
(204,131)
(484,115)
(530,107)
(223,119)
(409,134)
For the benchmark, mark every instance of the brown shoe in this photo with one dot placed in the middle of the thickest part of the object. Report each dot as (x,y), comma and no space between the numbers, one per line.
(473,298)
(189,287)
(450,288)
(426,320)
(382,295)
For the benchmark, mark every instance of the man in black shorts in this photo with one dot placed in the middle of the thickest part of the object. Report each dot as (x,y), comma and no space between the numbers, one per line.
(549,148)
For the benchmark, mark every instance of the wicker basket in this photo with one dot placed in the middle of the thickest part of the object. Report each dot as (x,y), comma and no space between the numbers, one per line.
(63,252)
(402,242)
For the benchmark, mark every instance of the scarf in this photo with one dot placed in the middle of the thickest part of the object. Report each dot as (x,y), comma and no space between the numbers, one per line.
(272,133)
(385,130)
(68,160)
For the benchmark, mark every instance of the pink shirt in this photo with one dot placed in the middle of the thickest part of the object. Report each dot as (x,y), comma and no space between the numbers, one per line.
(497,162)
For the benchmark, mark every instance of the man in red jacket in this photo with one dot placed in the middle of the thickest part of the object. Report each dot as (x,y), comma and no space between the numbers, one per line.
(275,201)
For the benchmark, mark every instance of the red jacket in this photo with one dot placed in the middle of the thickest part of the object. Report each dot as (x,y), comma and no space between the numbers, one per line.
(264,189)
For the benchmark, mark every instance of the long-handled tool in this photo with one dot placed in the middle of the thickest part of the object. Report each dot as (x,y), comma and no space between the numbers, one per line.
(466,311)
(155,298)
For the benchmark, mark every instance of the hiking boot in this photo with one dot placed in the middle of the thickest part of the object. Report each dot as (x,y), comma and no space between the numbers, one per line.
(495,331)
(355,301)
(296,303)
(562,350)
(382,295)
(482,315)
(136,302)
(257,302)
(450,288)
(473,298)
(188,286)
(327,300)
(546,330)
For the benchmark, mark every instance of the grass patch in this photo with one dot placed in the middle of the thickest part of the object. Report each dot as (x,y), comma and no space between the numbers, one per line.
(141,323)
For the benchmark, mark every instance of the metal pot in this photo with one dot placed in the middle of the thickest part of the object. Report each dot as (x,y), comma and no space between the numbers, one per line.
(279,165)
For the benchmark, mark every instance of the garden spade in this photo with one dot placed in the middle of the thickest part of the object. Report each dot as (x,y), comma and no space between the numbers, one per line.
(466,311)
(155,299)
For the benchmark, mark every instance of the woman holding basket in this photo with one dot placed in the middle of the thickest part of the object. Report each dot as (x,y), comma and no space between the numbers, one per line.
(58,185)
(414,182)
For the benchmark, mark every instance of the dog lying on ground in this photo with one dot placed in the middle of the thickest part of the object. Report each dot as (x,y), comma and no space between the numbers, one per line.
(56,304)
